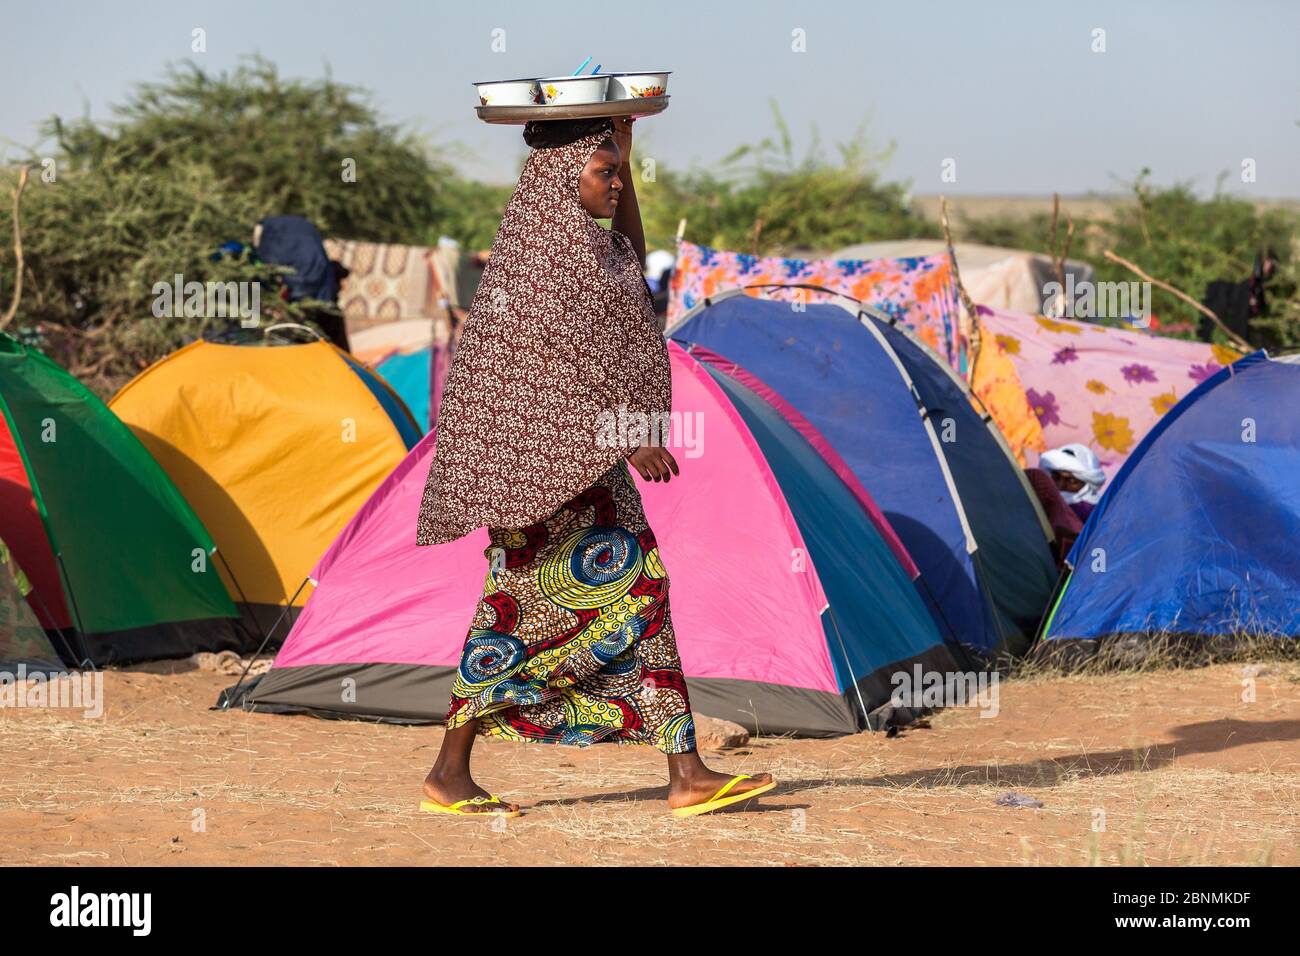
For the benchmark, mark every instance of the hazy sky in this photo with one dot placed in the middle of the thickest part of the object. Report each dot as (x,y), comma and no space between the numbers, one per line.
(1012,91)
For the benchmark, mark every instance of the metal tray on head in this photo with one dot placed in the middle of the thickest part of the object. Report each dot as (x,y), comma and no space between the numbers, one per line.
(518,115)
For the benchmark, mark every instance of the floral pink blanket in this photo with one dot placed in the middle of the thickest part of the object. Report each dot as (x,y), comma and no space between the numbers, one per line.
(1104,387)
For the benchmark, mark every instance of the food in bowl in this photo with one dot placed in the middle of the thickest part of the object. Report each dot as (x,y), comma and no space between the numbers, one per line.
(524,92)
(573,90)
(627,86)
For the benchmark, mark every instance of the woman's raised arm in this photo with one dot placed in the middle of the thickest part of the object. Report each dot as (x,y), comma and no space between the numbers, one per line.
(627,215)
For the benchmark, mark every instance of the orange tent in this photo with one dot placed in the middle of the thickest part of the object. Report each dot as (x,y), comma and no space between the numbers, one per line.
(274,447)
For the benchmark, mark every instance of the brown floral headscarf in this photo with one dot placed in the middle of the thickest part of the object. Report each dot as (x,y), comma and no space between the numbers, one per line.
(561,330)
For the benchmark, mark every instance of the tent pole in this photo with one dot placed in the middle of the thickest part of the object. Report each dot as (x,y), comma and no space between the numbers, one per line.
(242,596)
(76,613)
(1062,581)
(252,660)
(866,719)
(70,657)
(957,647)
(963,296)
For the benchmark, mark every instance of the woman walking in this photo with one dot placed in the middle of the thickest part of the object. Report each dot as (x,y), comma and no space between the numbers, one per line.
(572,640)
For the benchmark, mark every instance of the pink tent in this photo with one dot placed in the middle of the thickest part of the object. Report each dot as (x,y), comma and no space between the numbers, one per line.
(762,641)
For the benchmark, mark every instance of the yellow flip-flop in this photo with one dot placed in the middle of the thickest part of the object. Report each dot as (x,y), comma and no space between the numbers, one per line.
(433,806)
(720,799)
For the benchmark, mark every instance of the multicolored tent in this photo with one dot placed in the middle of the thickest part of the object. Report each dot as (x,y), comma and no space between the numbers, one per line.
(945,479)
(777,630)
(1096,385)
(1196,536)
(118,562)
(917,292)
(275,447)
(22,639)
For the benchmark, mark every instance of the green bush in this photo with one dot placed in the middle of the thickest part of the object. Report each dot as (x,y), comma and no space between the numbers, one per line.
(1180,239)
(190,163)
(761,199)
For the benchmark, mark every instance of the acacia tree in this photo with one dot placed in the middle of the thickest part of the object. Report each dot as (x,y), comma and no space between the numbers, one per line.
(1182,239)
(184,165)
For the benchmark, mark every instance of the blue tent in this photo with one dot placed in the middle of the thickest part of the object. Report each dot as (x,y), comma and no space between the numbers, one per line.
(944,478)
(1196,535)
(408,373)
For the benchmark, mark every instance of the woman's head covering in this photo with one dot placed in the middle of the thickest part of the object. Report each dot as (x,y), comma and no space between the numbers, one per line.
(1077,460)
(560,334)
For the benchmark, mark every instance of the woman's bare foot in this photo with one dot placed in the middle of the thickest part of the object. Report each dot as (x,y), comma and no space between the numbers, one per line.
(452,788)
(696,784)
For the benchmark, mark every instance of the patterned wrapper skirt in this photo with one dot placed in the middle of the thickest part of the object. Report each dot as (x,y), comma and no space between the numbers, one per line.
(572,641)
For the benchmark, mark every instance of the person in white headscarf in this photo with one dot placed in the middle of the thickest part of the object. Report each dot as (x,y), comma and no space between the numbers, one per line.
(1077,473)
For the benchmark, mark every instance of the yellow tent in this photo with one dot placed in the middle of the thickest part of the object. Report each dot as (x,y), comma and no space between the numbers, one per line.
(274,447)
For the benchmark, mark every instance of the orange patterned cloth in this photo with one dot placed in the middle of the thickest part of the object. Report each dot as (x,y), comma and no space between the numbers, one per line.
(918,291)
(997,384)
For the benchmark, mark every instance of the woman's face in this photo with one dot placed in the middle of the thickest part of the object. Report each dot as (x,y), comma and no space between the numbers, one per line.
(1066,481)
(599,185)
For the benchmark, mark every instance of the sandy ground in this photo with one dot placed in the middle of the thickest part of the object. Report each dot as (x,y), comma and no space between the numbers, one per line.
(1172,767)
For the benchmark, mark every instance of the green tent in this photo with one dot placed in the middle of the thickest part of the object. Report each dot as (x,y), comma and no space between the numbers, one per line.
(118,562)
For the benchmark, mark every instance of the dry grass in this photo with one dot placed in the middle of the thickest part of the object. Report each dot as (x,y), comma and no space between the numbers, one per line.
(1247,642)
(1185,771)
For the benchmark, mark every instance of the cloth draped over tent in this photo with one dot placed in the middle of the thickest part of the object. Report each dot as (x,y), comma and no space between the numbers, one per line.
(389,282)
(918,292)
(995,276)
(1096,385)
(399,299)
(996,381)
